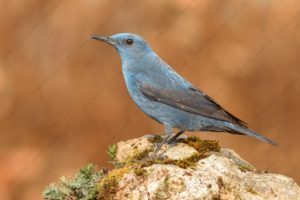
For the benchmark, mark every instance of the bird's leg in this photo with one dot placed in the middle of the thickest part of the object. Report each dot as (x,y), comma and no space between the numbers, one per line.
(173,139)
(167,135)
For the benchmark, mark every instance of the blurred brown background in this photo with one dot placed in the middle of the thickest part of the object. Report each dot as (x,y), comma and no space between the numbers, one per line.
(63,97)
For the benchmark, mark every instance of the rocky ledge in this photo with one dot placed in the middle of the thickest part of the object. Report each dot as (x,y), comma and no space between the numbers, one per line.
(190,169)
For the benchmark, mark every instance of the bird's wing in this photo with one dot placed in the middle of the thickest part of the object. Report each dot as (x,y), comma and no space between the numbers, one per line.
(190,100)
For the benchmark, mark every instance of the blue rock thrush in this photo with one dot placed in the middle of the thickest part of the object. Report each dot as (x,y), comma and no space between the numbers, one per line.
(167,97)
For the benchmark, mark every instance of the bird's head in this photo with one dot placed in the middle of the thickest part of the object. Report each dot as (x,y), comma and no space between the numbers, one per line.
(128,45)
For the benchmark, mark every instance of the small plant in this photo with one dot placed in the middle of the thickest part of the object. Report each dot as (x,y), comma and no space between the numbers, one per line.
(112,151)
(82,187)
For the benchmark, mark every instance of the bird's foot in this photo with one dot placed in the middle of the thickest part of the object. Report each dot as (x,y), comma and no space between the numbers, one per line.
(176,138)
(159,146)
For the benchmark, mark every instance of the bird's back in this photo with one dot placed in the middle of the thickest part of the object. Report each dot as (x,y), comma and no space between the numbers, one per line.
(159,82)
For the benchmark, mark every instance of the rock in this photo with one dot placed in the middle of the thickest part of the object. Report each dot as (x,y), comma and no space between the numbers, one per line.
(220,175)
(188,170)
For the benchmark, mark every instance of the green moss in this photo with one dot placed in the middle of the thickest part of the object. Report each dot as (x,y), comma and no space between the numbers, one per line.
(244,168)
(185,163)
(155,139)
(112,151)
(81,187)
(202,146)
(108,186)
(139,167)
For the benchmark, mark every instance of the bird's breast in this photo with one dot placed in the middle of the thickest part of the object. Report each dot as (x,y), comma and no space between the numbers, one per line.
(132,86)
(145,104)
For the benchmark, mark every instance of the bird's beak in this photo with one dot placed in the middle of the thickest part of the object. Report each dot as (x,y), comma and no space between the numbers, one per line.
(104,39)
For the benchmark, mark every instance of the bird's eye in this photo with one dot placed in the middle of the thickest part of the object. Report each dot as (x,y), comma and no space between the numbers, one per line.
(129,42)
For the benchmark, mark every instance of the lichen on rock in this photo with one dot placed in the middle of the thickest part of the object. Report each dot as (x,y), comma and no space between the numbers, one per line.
(190,169)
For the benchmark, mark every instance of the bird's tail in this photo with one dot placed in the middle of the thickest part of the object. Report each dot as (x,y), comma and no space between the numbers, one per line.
(236,129)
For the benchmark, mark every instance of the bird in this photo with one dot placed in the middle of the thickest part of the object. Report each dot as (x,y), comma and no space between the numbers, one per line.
(165,96)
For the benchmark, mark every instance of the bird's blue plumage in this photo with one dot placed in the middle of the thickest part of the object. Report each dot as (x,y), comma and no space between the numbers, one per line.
(165,96)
